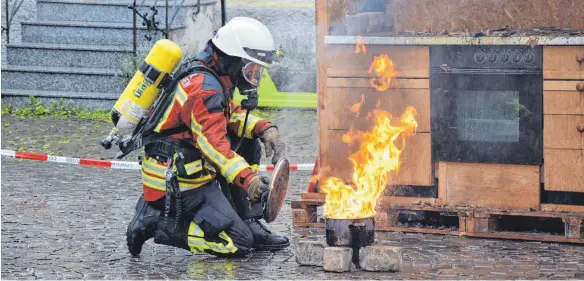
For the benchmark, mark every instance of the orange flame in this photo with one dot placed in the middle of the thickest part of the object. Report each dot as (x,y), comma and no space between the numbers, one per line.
(360,47)
(384,72)
(378,155)
(357,107)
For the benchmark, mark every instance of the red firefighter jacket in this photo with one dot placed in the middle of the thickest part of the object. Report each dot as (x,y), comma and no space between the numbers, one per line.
(209,113)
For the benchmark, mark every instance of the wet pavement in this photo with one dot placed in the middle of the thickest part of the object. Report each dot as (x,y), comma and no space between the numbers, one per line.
(68,222)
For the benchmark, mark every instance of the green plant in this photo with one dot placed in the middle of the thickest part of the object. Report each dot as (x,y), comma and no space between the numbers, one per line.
(6,108)
(129,65)
(36,108)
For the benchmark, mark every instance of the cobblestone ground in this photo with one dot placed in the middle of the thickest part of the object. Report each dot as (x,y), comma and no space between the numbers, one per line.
(68,222)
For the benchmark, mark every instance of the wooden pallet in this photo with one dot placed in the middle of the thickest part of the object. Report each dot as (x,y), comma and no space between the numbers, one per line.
(473,222)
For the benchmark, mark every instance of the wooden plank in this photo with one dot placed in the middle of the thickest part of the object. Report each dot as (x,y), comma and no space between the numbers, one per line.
(538,214)
(562,74)
(466,222)
(305,203)
(442,198)
(490,185)
(562,85)
(417,230)
(395,101)
(528,237)
(313,196)
(335,72)
(303,216)
(364,83)
(563,102)
(461,15)
(416,168)
(564,170)
(409,61)
(574,227)
(391,201)
(561,131)
(322,26)
(481,222)
(562,208)
(310,225)
(423,207)
(559,62)
(385,201)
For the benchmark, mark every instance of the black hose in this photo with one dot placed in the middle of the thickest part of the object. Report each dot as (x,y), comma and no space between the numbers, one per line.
(223,14)
(242,132)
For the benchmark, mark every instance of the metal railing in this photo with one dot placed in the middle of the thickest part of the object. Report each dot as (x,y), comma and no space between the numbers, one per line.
(10,16)
(152,23)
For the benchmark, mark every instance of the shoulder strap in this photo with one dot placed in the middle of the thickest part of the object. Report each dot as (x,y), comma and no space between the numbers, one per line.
(144,133)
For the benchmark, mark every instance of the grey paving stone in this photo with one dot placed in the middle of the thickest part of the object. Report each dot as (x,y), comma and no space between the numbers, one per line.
(310,252)
(337,259)
(77,216)
(381,258)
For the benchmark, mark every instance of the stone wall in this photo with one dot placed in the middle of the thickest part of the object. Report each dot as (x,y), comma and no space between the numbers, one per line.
(26,12)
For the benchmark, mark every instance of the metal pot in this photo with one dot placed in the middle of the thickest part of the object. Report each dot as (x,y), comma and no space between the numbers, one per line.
(350,232)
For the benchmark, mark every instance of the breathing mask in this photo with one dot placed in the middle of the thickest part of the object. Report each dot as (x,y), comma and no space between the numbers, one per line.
(251,73)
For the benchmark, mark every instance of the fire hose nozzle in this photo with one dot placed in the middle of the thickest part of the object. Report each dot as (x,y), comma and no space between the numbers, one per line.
(112,137)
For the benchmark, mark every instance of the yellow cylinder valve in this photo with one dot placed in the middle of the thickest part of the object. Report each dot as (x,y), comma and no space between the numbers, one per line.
(143,89)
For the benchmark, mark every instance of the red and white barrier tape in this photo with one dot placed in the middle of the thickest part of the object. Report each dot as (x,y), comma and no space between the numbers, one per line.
(113,164)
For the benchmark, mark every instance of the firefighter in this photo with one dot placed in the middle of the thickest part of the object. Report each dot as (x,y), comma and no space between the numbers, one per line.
(218,208)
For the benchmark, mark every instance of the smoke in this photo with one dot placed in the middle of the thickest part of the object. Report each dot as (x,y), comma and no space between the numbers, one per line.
(292,24)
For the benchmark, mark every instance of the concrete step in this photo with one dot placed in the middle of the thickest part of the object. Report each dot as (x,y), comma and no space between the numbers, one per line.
(111,11)
(87,33)
(91,101)
(62,79)
(59,94)
(60,55)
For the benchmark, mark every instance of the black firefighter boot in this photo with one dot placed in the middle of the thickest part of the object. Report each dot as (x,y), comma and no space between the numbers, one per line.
(142,227)
(251,213)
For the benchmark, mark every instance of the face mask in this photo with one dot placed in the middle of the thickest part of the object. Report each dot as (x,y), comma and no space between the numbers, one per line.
(251,73)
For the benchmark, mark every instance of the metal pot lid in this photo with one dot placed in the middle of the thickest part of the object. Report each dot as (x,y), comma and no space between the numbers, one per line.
(278,189)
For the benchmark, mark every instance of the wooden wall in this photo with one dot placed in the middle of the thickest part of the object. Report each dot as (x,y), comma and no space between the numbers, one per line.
(563,122)
(458,15)
(347,79)
(343,78)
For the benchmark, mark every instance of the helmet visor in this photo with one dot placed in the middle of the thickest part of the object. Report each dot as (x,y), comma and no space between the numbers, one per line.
(252,72)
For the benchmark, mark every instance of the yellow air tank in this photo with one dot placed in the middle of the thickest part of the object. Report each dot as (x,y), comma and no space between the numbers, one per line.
(139,95)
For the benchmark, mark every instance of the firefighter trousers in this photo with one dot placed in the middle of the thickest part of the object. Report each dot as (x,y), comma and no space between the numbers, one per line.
(209,224)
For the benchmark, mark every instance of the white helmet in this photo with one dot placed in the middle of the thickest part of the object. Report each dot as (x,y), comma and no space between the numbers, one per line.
(250,40)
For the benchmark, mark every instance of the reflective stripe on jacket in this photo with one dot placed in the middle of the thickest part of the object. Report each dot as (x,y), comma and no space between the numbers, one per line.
(201,104)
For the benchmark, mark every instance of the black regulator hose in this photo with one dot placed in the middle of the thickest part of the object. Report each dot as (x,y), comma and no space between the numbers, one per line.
(242,132)
(223,13)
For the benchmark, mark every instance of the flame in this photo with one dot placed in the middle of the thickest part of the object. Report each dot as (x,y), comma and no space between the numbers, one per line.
(378,155)
(384,71)
(357,107)
(360,47)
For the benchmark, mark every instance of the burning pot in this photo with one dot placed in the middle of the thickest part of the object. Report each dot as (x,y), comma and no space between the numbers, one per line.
(354,233)
(350,232)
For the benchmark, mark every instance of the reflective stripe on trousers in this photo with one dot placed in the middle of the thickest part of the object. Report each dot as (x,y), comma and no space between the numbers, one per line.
(197,242)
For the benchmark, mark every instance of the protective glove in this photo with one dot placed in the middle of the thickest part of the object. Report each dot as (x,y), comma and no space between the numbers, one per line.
(273,144)
(256,188)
